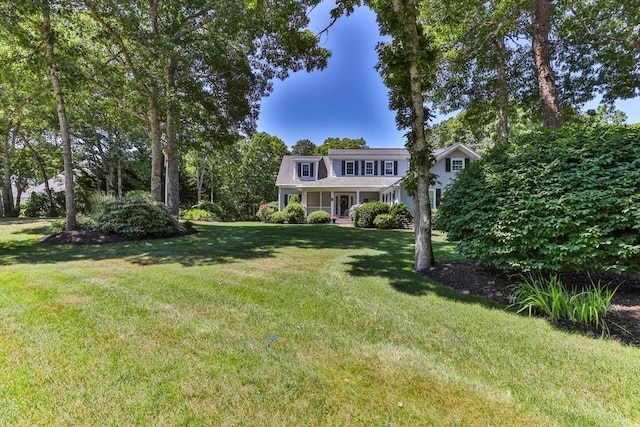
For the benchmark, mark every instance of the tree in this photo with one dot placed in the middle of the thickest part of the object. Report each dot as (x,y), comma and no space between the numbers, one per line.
(304,147)
(206,64)
(407,68)
(332,143)
(542,59)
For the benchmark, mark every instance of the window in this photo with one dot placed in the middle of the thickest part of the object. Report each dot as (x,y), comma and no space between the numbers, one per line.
(350,168)
(305,170)
(432,198)
(388,168)
(368,167)
(457,165)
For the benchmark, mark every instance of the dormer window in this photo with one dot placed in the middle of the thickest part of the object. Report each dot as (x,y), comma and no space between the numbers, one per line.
(457,165)
(350,167)
(305,170)
(368,168)
(388,168)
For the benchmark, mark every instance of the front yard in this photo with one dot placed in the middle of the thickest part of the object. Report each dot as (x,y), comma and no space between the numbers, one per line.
(252,324)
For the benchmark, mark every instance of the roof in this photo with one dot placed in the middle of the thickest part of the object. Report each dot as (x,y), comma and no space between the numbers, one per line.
(444,152)
(339,152)
(347,181)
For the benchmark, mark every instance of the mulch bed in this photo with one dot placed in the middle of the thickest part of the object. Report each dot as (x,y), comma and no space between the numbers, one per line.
(472,279)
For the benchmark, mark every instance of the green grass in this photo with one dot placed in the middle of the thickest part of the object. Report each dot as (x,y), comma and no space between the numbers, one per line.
(252,324)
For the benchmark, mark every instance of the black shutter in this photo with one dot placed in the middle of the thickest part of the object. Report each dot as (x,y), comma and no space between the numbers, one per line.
(311,170)
(299,170)
(375,168)
(355,167)
(344,170)
(438,194)
(467,162)
(447,164)
(362,163)
(395,167)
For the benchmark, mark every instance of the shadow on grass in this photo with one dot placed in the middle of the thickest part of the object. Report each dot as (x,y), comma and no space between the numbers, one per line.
(227,243)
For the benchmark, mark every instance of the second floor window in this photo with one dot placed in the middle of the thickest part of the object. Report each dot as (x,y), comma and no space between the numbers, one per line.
(350,168)
(368,168)
(457,165)
(305,170)
(388,168)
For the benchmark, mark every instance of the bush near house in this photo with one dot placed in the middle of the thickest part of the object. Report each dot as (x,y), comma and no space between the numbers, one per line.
(278,217)
(265,211)
(366,213)
(197,215)
(385,221)
(554,200)
(39,205)
(135,217)
(294,213)
(319,217)
(401,215)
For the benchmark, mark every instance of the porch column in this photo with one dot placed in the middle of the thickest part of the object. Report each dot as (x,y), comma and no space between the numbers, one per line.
(357,197)
(333,204)
(280,207)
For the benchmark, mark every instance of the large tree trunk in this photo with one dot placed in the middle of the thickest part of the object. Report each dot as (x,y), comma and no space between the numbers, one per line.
(156,146)
(542,59)
(69,197)
(503,93)
(171,146)
(8,148)
(418,147)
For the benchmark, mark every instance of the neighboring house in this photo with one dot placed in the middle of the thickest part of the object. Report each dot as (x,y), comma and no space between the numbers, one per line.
(346,177)
(56,184)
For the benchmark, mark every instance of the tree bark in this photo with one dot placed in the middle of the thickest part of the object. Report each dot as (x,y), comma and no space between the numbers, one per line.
(542,60)
(418,147)
(156,146)
(8,148)
(69,196)
(503,93)
(171,143)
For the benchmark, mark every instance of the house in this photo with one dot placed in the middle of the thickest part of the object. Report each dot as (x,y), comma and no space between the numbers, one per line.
(346,177)
(56,185)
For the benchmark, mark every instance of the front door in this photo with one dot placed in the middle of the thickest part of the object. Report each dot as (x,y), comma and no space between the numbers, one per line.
(344,206)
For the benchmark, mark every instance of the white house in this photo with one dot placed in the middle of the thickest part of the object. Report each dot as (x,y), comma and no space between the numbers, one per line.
(346,177)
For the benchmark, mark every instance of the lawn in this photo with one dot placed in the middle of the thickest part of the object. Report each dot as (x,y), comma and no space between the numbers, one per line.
(255,325)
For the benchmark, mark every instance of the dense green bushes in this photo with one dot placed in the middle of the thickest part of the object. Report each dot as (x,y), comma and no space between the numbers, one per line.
(39,205)
(135,217)
(366,213)
(401,214)
(319,217)
(564,199)
(294,213)
(265,211)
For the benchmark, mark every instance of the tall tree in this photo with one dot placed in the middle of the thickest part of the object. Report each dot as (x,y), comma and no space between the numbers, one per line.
(407,68)
(332,142)
(304,147)
(542,60)
(207,63)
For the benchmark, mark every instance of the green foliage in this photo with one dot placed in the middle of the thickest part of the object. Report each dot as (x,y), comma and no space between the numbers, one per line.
(331,143)
(265,212)
(197,215)
(367,213)
(304,147)
(385,221)
(294,213)
(278,217)
(401,214)
(319,217)
(564,199)
(135,217)
(294,198)
(215,210)
(552,298)
(39,205)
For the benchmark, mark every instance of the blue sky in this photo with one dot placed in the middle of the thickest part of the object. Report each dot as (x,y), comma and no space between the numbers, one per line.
(347,99)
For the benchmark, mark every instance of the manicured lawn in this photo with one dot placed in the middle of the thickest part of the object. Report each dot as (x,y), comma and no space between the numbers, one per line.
(263,325)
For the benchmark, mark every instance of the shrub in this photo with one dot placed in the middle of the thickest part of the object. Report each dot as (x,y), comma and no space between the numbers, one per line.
(295,198)
(552,298)
(216,211)
(135,217)
(367,213)
(197,215)
(555,200)
(265,212)
(319,217)
(386,221)
(294,213)
(353,214)
(39,205)
(278,217)
(401,215)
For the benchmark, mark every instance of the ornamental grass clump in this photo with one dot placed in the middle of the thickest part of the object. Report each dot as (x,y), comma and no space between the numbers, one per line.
(589,307)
